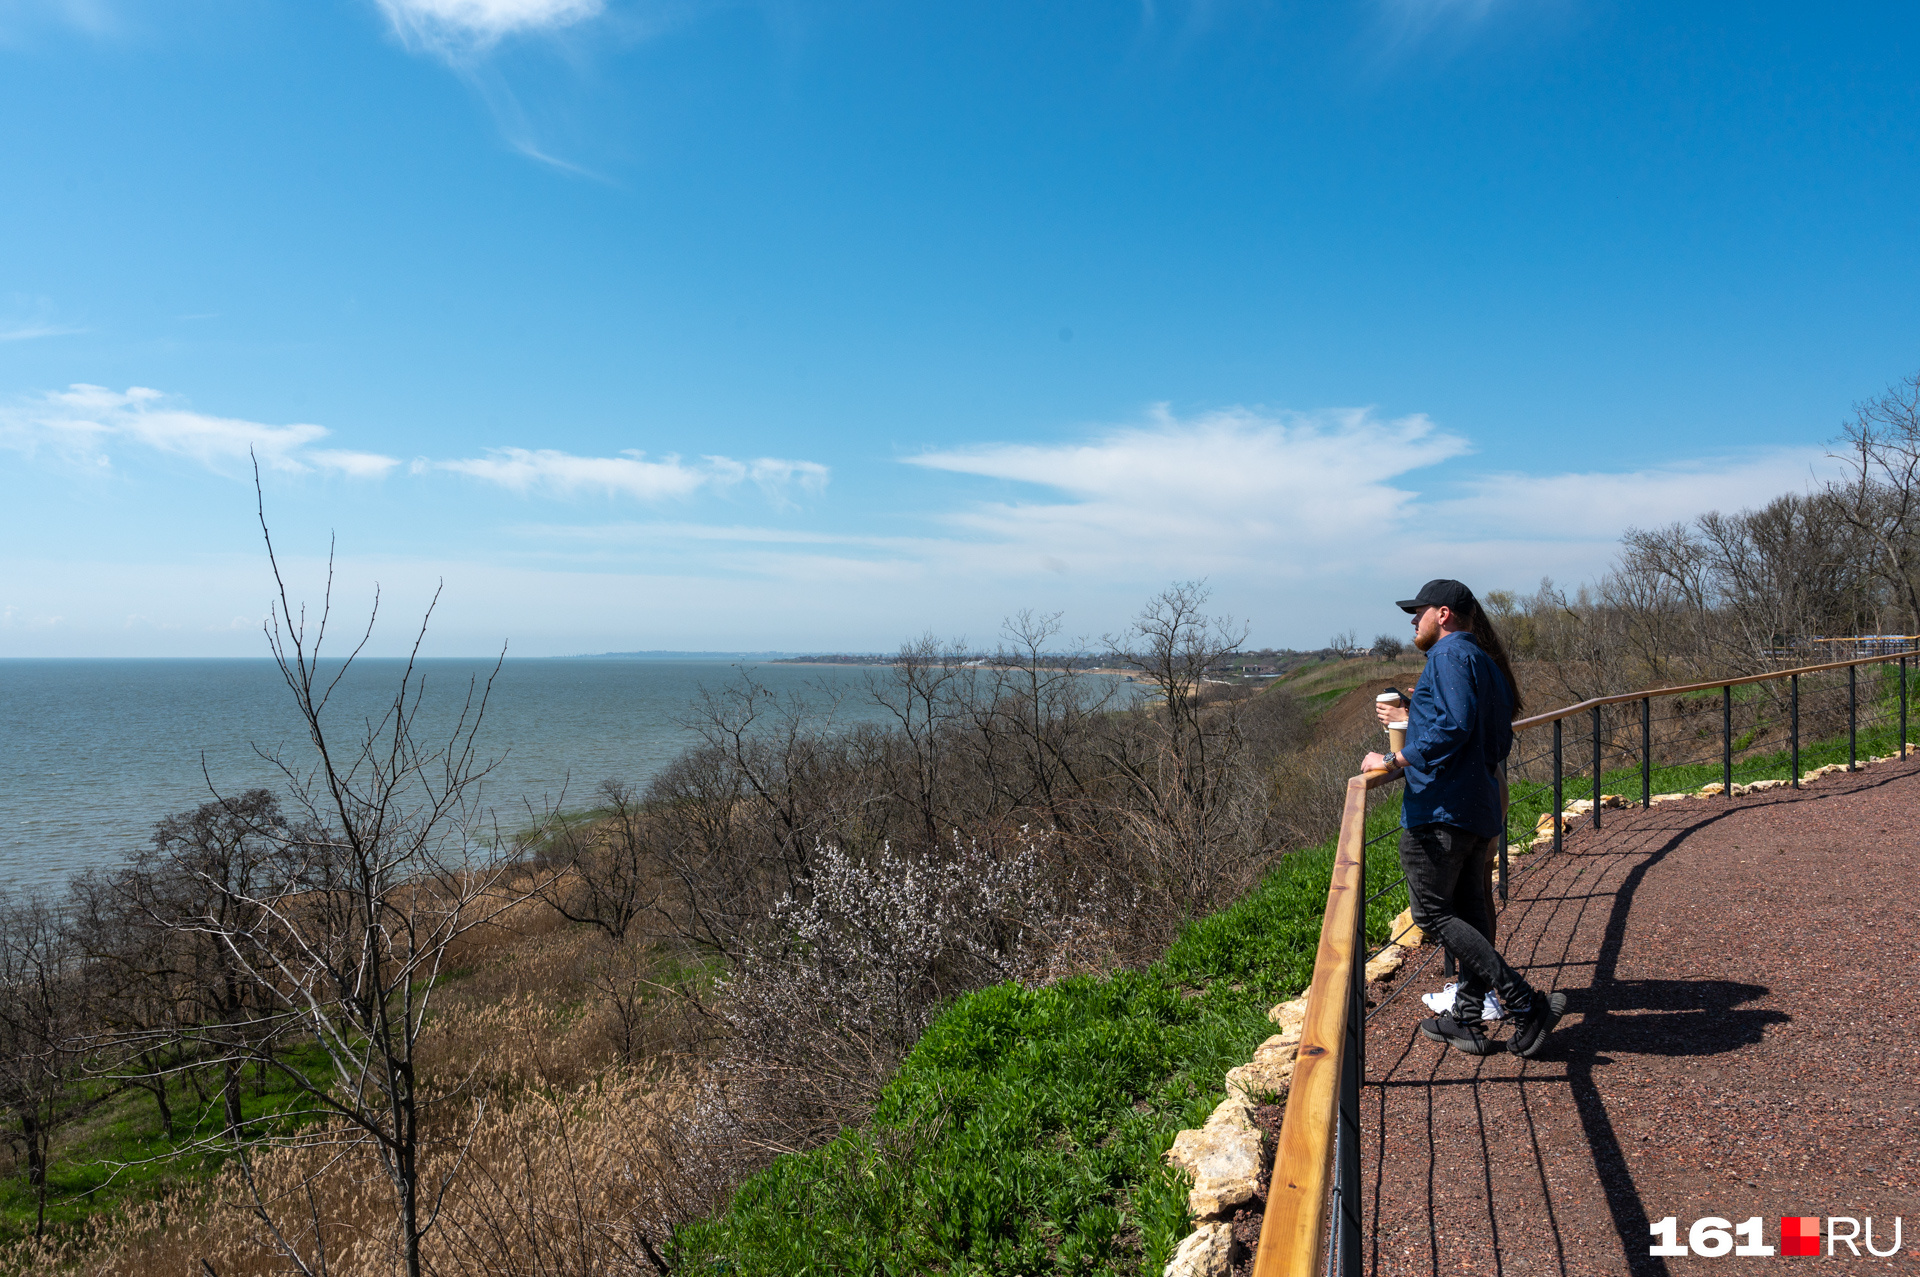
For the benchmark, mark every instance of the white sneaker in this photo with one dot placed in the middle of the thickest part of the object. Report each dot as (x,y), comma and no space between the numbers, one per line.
(1442,1002)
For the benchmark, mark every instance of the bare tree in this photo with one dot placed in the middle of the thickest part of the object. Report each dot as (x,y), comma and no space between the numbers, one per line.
(1881,494)
(136,1007)
(924,693)
(41,1014)
(199,881)
(1192,800)
(607,875)
(384,866)
(1033,722)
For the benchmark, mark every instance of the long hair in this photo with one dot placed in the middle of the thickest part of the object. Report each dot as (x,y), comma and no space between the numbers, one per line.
(1480,625)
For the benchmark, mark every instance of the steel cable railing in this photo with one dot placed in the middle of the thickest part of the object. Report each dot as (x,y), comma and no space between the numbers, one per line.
(1313,1204)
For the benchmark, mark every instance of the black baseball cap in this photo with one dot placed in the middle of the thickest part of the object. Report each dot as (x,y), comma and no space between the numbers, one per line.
(1441,593)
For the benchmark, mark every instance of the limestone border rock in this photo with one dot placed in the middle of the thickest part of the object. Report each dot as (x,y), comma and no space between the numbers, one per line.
(1204,1253)
(1386,962)
(1223,1157)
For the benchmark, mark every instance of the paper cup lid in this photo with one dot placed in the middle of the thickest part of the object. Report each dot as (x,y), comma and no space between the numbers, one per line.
(1387,696)
(1396,727)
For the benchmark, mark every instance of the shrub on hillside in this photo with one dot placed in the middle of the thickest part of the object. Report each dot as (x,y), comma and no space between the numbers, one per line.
(856,967)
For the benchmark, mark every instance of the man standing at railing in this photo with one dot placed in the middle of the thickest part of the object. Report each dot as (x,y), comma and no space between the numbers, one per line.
(1459,729)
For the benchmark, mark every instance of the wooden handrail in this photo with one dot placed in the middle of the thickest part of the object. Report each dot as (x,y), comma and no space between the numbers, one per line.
(1620,698)
(1294,1231)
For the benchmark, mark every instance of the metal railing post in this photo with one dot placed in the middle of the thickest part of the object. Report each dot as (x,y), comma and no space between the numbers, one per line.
(1903,707)
(1853,716)
(1503,835)
(1558,806)
(1794,731)
(1646,752)
(1596,767)
(1726,741)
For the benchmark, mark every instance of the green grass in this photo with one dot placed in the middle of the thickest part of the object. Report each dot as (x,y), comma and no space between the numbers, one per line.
(117,1151)
(1025,1132)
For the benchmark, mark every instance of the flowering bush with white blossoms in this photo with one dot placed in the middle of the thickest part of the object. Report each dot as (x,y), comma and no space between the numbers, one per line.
(852,970)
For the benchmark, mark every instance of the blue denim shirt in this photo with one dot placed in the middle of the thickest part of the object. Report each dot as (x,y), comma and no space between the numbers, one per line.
(1459,729)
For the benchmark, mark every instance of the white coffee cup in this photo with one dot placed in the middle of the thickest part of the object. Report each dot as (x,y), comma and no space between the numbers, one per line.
(1397,700)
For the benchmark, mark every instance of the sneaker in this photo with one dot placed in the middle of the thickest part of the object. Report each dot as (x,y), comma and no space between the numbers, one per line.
(1442,1002)
(1532,1025)
(1458,1034)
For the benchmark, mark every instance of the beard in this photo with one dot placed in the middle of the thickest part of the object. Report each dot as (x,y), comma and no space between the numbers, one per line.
(1425,636)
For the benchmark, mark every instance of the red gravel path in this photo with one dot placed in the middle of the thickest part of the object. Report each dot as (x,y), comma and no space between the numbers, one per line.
(1743,1038)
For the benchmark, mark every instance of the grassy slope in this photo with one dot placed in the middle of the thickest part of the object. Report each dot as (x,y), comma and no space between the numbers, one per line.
(1025,1133)
(118,1151)
(1320,684)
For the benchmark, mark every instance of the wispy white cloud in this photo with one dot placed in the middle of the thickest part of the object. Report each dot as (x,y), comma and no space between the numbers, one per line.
(358,465)
(1312,514)
(1589,504)
(465,34)
(462,27)
(25,318)
(526,470)
(1227,487)
(21,19)
(632,474)
(1307,523)
(31,331)
(86,425)
(777,477)
(645,533)
(512,119)
(1402,27)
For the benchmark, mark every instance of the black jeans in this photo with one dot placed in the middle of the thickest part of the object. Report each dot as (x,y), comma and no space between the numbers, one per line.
(1446,870)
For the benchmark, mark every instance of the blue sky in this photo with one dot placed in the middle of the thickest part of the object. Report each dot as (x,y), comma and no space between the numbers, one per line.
(770,325)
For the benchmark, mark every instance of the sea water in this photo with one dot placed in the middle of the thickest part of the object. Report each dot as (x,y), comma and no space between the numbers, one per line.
(93,752)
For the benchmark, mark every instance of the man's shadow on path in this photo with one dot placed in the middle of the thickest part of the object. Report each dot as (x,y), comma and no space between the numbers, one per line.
(1702,1017)
(1645,1017)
